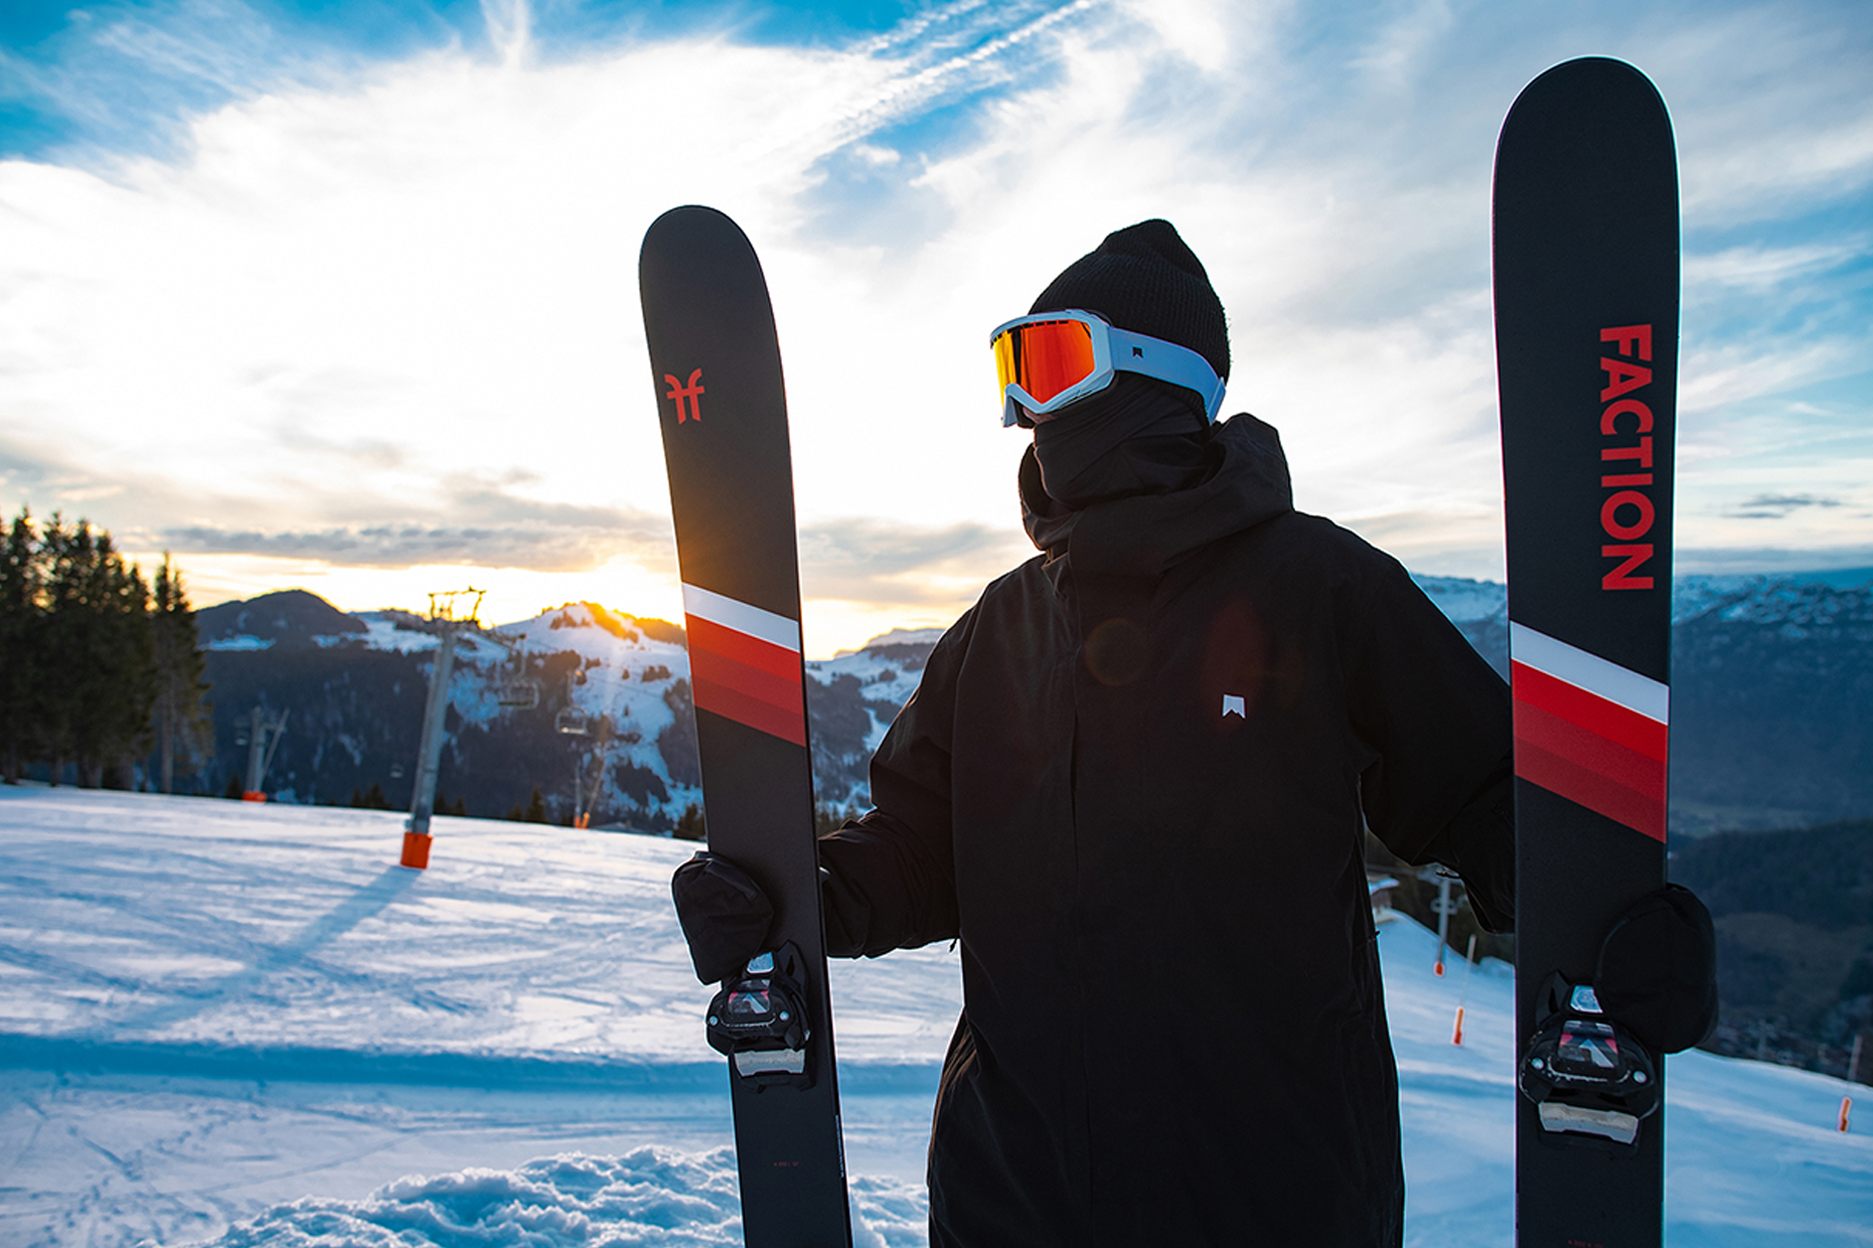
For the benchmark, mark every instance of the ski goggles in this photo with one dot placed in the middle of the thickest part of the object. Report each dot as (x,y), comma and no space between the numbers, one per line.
(1047,361)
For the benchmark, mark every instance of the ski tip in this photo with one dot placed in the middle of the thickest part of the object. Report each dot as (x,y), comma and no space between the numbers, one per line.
(687,211)
(1583,105)
(1583,69)
(1588,76)
(691,222)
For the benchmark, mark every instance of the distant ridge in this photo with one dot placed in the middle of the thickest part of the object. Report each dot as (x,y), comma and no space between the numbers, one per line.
(1771,684)
(289,616)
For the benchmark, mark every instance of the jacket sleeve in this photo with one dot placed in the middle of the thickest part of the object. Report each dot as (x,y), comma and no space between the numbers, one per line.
(1438,719)
(888,878)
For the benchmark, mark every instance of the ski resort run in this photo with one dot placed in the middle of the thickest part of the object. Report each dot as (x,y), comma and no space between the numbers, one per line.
(242,1024)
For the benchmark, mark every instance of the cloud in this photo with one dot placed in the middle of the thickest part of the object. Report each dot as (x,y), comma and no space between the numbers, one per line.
(485,524)
(378,303)
(1770,122)
(1778,506)
(538,547)
(1761,268)
(869,560)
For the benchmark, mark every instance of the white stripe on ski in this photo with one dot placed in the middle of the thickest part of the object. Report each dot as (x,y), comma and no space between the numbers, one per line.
(776,630)
(1596,675)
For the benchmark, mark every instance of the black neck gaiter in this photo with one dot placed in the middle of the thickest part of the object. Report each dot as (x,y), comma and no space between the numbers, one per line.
(1137,436)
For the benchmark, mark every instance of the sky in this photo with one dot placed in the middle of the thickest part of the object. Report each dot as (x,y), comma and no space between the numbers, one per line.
(341,294)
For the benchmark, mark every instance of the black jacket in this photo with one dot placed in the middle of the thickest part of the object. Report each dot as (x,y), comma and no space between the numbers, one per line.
(1133,782)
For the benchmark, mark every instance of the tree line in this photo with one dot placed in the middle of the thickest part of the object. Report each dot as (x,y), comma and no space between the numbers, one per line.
(98,666)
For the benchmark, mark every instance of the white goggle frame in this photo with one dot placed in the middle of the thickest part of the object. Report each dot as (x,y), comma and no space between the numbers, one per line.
(1115,351)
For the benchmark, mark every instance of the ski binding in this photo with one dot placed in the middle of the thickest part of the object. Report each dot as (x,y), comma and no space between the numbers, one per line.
(1586,1075)
(759,1021)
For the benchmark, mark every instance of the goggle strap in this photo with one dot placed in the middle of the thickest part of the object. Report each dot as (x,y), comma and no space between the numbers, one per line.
(1167,361)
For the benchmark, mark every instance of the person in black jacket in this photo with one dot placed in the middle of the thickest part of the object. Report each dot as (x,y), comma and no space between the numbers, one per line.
(1134,784)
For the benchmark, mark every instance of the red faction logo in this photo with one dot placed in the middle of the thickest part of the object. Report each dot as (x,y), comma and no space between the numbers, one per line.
(1626,510)
(693,392)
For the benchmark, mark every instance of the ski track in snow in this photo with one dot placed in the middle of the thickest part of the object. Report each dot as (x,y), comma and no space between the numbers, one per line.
(242,1025)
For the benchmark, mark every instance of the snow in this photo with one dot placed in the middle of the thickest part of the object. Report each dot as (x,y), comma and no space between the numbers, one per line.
(197,923)
(382,633)
(242,641)
(242,1024)
(650,1196)
(884,681)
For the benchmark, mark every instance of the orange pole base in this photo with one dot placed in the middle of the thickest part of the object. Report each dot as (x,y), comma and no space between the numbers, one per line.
(415,850)
(1846,1111)
(253,795)
(1456,1035)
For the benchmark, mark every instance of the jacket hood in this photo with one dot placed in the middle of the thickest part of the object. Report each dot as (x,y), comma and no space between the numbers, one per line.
(1244,482)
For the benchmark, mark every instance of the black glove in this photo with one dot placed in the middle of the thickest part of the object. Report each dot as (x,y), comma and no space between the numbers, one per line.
(1658,970)
(724,913)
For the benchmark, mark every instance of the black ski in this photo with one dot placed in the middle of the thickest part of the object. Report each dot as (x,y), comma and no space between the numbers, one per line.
(1586,292)
(715,361)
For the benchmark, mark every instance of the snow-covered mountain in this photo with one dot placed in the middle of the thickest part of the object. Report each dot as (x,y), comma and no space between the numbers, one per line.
(1771,680)
(1824,598)
(578,693)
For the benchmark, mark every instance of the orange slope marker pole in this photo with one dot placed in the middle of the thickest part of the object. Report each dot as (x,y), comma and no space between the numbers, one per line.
(1469,964)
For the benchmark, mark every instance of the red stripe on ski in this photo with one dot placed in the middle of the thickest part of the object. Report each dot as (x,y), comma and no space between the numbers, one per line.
(750,651)
(1633,770)
(746,679)
(729,673)
(1592,712)
(789,724)
(1586,787)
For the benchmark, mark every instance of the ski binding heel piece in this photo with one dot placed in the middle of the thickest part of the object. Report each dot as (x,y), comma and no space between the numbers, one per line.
(759,1021)
(1586,1075)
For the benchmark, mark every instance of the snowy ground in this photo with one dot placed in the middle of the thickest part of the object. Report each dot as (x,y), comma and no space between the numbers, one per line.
(245,1024)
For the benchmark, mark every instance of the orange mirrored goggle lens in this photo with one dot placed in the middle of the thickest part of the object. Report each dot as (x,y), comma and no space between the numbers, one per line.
(1044,358)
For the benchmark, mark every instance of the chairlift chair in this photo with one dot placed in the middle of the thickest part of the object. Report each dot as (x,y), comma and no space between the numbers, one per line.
(513,688)
(519,692)
(573,722)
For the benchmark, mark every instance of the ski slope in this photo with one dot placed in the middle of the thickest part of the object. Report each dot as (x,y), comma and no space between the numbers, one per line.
(245,1025)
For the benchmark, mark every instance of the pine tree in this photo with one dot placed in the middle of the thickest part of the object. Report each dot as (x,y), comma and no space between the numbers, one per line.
(22,627)
(99,673)
(536,807)
(689,825)
(184,721)
(124,728)
(61,553)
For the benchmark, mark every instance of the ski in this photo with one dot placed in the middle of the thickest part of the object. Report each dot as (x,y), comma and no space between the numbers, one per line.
(1586,260)
(715,362)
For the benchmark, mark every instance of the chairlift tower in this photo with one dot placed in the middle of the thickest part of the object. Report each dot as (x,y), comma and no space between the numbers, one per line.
(449,626)
(263,738)
(590,746)
(1443,908)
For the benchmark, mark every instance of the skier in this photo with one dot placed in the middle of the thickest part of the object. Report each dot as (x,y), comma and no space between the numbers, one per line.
(1134,784)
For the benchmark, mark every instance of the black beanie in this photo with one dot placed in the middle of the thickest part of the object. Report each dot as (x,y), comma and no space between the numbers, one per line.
(1145,279)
